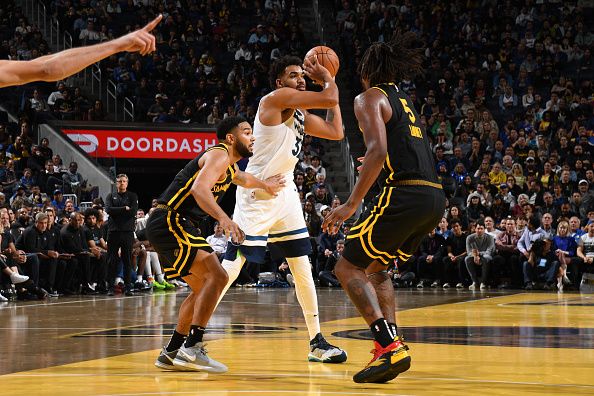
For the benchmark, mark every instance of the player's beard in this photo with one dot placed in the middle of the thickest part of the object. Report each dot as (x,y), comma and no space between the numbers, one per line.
(243,150)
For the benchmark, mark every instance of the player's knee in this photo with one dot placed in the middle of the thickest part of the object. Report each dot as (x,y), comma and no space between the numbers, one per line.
(220,277)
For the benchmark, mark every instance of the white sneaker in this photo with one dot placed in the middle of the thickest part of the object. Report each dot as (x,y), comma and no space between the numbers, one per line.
(196,359)
(473,286)
(2,298)
(566,280)
(446,285)
(18,278)
(435,284)
(459,285)
(420,285)
(483,286)
(291,279)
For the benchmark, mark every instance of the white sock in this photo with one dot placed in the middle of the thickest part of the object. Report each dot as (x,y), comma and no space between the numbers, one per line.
(119,280)
(306,292)
(233,268)
(147,266)
(138,278)
(160,278)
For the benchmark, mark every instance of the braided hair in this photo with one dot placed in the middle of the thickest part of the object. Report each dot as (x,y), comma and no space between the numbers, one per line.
(402,57)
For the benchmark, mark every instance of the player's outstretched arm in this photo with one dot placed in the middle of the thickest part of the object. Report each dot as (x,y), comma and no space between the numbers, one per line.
(272,185)
(215,164)
(65,63)
(368,110)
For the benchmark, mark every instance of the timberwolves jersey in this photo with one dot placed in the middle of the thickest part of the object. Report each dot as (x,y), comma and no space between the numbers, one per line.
(276,147)
(178,196)
(409,152)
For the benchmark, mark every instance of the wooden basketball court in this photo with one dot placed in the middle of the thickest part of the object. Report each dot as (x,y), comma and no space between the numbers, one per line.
(461,343)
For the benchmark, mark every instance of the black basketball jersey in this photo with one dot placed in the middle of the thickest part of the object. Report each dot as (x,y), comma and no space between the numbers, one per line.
(409,151)
(178,196)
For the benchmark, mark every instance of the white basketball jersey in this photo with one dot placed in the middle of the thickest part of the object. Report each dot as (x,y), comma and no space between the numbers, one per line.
(276,147)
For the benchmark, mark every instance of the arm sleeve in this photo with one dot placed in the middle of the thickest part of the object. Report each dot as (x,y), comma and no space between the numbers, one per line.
(113,210)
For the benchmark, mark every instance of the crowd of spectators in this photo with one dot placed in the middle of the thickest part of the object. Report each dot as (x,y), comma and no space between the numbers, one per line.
(211,61)
(506,100)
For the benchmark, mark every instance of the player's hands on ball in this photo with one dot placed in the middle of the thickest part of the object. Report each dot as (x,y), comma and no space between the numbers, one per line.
(231,228)
(274,184)
(314,70)
(337,216)
(141,40)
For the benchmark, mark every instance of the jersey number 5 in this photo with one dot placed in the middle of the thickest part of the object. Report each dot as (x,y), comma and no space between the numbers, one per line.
(414,130)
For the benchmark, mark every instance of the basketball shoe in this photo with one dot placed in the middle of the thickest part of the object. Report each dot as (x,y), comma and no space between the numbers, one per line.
(324,352)
(165,360)
(386,364)
(196,359)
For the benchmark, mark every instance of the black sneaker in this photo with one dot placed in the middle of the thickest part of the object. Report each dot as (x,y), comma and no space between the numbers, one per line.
(111,291)
(324,352)
(129,291)
(386,364)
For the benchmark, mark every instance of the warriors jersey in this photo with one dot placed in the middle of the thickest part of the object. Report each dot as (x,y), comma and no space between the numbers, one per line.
(178,196)
(409,152)
(276,147)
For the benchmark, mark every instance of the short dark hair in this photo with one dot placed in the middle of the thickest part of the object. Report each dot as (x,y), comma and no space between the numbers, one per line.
(227,125)
(92,212)
(480,222)
(278,67)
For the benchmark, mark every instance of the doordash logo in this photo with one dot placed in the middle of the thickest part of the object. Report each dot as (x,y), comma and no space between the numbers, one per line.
(142,144)
(86,141)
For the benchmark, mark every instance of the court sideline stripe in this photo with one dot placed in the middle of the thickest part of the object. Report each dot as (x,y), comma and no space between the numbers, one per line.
(288,375)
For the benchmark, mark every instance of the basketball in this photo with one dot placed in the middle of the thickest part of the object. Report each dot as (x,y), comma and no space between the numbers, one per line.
(326,57)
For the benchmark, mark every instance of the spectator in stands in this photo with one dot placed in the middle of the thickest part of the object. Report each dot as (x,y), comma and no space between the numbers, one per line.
(312,220)
(73,180)
(327,246)
(507,257)
(72,241)
(542,264)
(585,250)
(453,262)
(565,248)
(326,275)
(480,248)
(59,202)
(429,261)
(218,241)
(34,242)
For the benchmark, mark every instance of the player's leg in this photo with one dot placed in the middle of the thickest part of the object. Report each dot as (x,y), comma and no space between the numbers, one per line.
(232,268)
(207,279)
(382,284)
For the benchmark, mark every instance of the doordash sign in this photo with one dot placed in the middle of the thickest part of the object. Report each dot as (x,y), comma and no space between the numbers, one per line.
(142,144)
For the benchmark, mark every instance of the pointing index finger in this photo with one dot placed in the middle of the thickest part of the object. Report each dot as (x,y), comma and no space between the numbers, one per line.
(152,24)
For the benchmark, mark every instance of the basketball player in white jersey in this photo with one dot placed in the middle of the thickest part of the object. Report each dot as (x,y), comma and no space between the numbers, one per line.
(281,122)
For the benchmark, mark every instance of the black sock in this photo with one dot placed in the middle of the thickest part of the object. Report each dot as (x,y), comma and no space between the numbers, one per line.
(381,332)
(195,336)
(393,329)
(176,341)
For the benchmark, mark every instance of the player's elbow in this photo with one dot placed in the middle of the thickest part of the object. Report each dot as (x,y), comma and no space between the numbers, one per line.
(50,70)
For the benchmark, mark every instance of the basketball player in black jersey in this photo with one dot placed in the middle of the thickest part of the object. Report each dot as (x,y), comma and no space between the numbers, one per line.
(193,194)
(410,204)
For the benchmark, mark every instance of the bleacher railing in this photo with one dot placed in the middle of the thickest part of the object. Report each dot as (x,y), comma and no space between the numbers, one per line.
(111,98)
(318,20)
(128,109)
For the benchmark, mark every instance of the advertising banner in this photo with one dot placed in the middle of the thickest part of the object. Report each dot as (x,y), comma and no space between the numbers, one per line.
(105,143)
